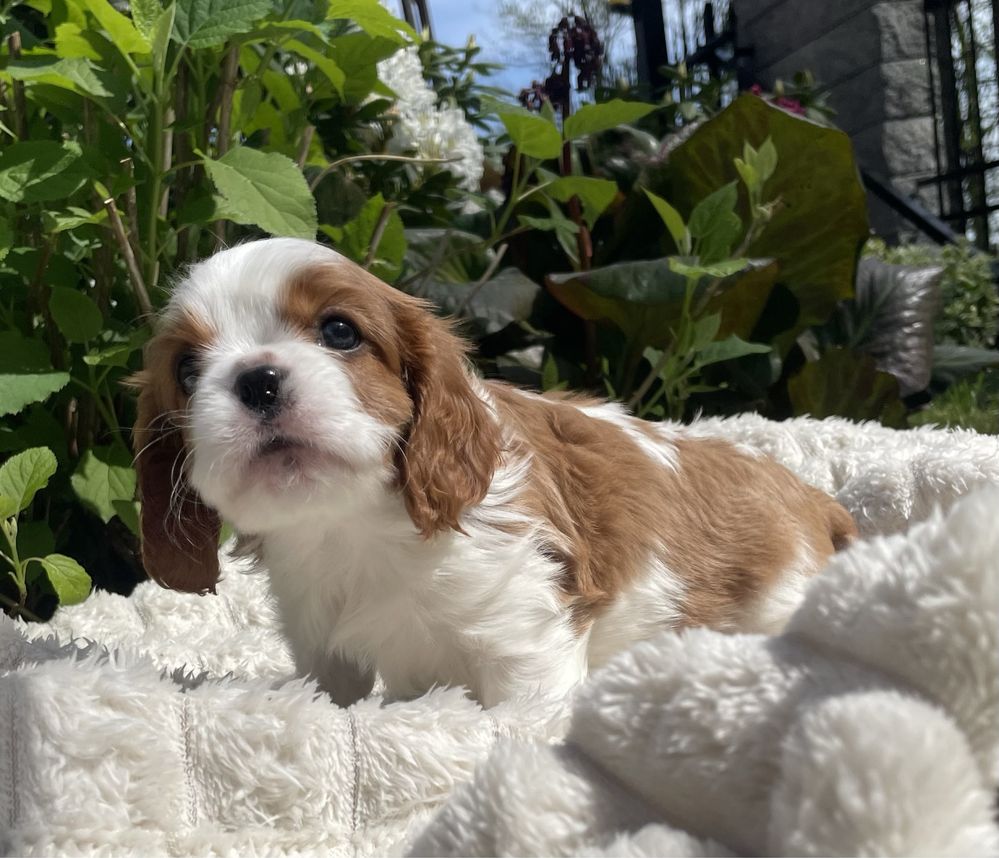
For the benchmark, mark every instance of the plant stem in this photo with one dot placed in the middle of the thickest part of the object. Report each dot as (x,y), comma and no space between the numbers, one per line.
(379,232)
(20,106)
(227,88)
(322,174)
(9,529)
(155,185)
(134,274)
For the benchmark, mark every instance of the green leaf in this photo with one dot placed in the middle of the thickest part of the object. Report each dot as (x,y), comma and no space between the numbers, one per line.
(728,349)
(103,476)
(593,118)
(116,355)
(488,307)
(77,315)
(674,222)
(74,216)
(6,238)
(846,384)
(697,269)
(532,135)
(264,189)
(209,23)
(644,299)
(816,233)
(128,512)
(356,236)
(750,178)
(78,74)
(705,330)
(68,578)
(145,15)
(766,160)
(26,375)
(952,362)
(322,62)
(371,17)
(125,37)
(709,213)
(594,194)
(42,170)
(23,475)
(549,224)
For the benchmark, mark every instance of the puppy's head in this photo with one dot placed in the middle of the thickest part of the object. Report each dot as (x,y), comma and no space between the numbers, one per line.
(286,385)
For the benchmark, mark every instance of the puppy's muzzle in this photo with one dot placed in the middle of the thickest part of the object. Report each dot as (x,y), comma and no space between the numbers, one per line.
(259,389)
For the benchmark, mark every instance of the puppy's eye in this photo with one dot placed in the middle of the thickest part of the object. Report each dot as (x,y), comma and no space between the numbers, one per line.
(187,373)
(339,334)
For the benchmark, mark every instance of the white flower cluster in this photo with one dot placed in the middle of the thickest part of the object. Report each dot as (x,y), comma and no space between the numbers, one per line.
(423,127)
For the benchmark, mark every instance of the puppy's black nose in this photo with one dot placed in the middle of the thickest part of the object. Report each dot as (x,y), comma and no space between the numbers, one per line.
(259,389)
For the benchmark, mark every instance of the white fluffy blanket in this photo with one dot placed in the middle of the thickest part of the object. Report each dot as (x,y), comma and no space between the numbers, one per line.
(170,724)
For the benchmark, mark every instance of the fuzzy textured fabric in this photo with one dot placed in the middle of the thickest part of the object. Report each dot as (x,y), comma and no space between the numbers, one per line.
(171,724)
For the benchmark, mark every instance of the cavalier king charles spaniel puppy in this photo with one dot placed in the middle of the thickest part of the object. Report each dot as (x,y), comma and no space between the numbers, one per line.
(426,525)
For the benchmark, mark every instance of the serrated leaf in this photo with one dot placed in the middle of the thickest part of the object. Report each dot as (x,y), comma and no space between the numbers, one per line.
(41,170)
(77,316)
(103,476)
(8,507)
(125,37)
(26,375)
(593,118)
(23,475)
(78,74)
(209,23)
(371,17)
(594,194)
(264,189)
(68,578)
(532,135)
(672,219)
(145,14)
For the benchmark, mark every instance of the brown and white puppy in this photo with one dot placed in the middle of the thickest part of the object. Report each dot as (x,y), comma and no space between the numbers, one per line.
(419,522)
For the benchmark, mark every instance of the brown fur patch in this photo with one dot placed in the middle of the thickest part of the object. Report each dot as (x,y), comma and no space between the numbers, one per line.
(411,374)
(179,533)
(726,524)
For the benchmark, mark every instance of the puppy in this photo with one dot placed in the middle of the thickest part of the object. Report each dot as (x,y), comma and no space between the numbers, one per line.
(423,524)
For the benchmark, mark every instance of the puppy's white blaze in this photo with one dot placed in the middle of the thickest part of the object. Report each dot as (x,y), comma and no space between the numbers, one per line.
(664,452)
(653,603)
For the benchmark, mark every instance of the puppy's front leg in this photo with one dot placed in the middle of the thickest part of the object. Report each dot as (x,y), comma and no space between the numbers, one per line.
(341,678)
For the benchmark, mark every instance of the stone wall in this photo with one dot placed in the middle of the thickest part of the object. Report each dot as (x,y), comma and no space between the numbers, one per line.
(872,55)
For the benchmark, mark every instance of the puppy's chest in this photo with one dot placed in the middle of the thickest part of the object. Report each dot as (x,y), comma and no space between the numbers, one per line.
(390,613)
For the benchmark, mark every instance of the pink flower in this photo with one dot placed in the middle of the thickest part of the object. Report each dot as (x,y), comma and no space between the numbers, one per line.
(791,105)
(756,89)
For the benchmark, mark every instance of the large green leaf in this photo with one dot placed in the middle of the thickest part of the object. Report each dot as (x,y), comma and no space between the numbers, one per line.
(26,375)
(818,230)
(371,17)
(22,476)
(644,299)
(78,74)
(534,136)
(77,316)
(145,14)
(447,255)
(68,578)
(952,362)
(209,23)
(593,118)
(103,476)
(41,170)
(486,307)
(328,67)
(265,189)
(846,384)
(124,35)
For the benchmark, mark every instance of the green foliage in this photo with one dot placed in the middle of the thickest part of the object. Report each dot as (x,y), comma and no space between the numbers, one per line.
(969,311)
(146,142)
(969,404)
(21,478)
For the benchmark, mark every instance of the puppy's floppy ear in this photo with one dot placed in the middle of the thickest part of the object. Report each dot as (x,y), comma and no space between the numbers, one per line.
(453,445)
(179,533)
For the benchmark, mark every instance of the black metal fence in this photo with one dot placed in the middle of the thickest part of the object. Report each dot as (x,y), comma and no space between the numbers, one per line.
(964,87)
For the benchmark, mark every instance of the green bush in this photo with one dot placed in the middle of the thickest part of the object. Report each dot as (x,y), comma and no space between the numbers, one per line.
(969,311)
